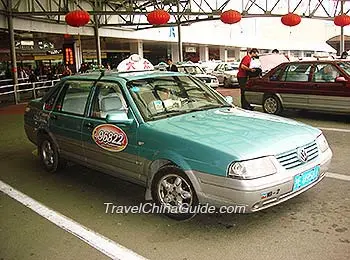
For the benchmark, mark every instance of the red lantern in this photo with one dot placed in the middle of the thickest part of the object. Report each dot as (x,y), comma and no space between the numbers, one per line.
(67,36)
(77,18)
(230,17)
(158,17)
(342,20)
(291,19)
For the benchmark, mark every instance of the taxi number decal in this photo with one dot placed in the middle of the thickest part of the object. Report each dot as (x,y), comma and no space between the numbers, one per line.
(110,137)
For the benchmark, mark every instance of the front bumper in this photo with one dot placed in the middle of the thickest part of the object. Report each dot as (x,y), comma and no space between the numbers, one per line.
(251,194)
(213,84)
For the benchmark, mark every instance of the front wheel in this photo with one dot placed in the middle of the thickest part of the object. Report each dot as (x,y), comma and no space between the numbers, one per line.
(173,191)
(272,105)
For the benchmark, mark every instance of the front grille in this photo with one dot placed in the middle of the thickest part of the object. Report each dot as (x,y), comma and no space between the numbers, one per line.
(290,159)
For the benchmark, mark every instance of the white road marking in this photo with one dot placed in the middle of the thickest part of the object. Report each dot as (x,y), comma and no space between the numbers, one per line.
(94,239)
(338,176)
(335,129)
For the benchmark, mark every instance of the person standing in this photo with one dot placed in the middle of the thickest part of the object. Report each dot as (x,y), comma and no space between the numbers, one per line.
(172,66)
(242,75)
(67,71)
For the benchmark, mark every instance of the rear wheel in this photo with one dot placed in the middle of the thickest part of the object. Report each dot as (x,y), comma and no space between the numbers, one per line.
(49,155)
(173,190)
(272,105)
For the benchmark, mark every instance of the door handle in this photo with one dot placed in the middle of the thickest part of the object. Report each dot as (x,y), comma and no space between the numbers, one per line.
(89,125)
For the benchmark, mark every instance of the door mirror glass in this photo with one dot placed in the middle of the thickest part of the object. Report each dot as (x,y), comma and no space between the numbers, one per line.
(119,117)
(340,79)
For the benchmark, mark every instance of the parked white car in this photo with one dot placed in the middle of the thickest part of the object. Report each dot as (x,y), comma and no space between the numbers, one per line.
(226,72)
(199,73)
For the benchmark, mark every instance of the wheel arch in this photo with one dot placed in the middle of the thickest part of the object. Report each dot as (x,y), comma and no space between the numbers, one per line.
(42,132)
(177,161)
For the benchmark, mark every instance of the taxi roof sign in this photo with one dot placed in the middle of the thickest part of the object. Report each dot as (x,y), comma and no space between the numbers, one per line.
(135,63)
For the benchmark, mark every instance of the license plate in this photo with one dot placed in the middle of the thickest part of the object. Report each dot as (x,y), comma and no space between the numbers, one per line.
(304,179)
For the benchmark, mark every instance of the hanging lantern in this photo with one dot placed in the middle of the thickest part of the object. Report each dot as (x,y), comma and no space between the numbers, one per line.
(158,17)
(77,18)
(342,20)
(230,17)
(67,36)
(291,19)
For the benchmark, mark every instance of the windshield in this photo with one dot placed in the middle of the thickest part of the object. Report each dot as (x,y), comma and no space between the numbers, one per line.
(345,66)
(231,67)
(173,95)
(193,70)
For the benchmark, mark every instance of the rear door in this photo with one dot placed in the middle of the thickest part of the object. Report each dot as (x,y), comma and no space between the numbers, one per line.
(108,147)
(66,118)
(329,94)
(294,85)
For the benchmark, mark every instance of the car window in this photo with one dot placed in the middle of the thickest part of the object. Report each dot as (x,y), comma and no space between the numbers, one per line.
(74,97)
(275,76)
(297,72)
(325,73)
(108,98)
(217,68)
(167,96)
(345,66)
(51,97)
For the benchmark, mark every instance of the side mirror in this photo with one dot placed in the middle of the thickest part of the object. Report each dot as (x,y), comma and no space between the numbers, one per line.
(119,117)
(340,79)
(229,99)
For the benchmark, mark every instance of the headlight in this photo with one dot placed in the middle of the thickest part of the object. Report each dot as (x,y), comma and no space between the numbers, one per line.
(252,169)
(322,143)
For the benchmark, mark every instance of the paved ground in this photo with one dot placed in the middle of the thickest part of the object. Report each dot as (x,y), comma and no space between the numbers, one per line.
(314,225)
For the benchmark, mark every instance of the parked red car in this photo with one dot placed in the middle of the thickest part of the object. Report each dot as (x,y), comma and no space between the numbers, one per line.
(312,85)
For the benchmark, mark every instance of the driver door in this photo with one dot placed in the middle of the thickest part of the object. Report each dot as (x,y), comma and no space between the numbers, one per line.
(111,148)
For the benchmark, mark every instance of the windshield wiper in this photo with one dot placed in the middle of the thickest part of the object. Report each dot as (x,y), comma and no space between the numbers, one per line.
(202,108)
(168,113)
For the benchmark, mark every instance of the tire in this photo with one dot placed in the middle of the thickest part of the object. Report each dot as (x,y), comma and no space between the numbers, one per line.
(272,105)
(49,155)
(170,181)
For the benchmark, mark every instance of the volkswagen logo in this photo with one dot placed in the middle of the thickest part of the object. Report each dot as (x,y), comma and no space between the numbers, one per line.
(302,155)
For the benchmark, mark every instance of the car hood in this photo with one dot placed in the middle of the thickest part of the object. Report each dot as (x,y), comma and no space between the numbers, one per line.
(236,132)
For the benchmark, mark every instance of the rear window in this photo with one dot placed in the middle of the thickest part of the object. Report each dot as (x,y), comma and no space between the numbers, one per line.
(297,72)
(74,97)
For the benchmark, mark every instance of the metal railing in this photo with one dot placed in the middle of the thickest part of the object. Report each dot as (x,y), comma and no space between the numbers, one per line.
(19,92)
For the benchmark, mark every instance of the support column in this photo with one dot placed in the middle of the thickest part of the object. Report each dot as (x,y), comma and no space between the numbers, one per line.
(78,54)
(136,48)
(179,43)
(98,41)
(12,43)
(223,54)
(203,53)
(341,30)
(179,40)
(175,53)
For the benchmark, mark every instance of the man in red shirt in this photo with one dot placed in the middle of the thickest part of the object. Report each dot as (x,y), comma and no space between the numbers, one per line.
(242,75)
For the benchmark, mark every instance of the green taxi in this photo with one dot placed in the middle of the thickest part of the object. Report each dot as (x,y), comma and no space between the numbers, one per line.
(177,137)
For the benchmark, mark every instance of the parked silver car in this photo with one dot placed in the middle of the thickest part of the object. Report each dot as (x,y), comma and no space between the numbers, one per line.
(226,72)
(196,71)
